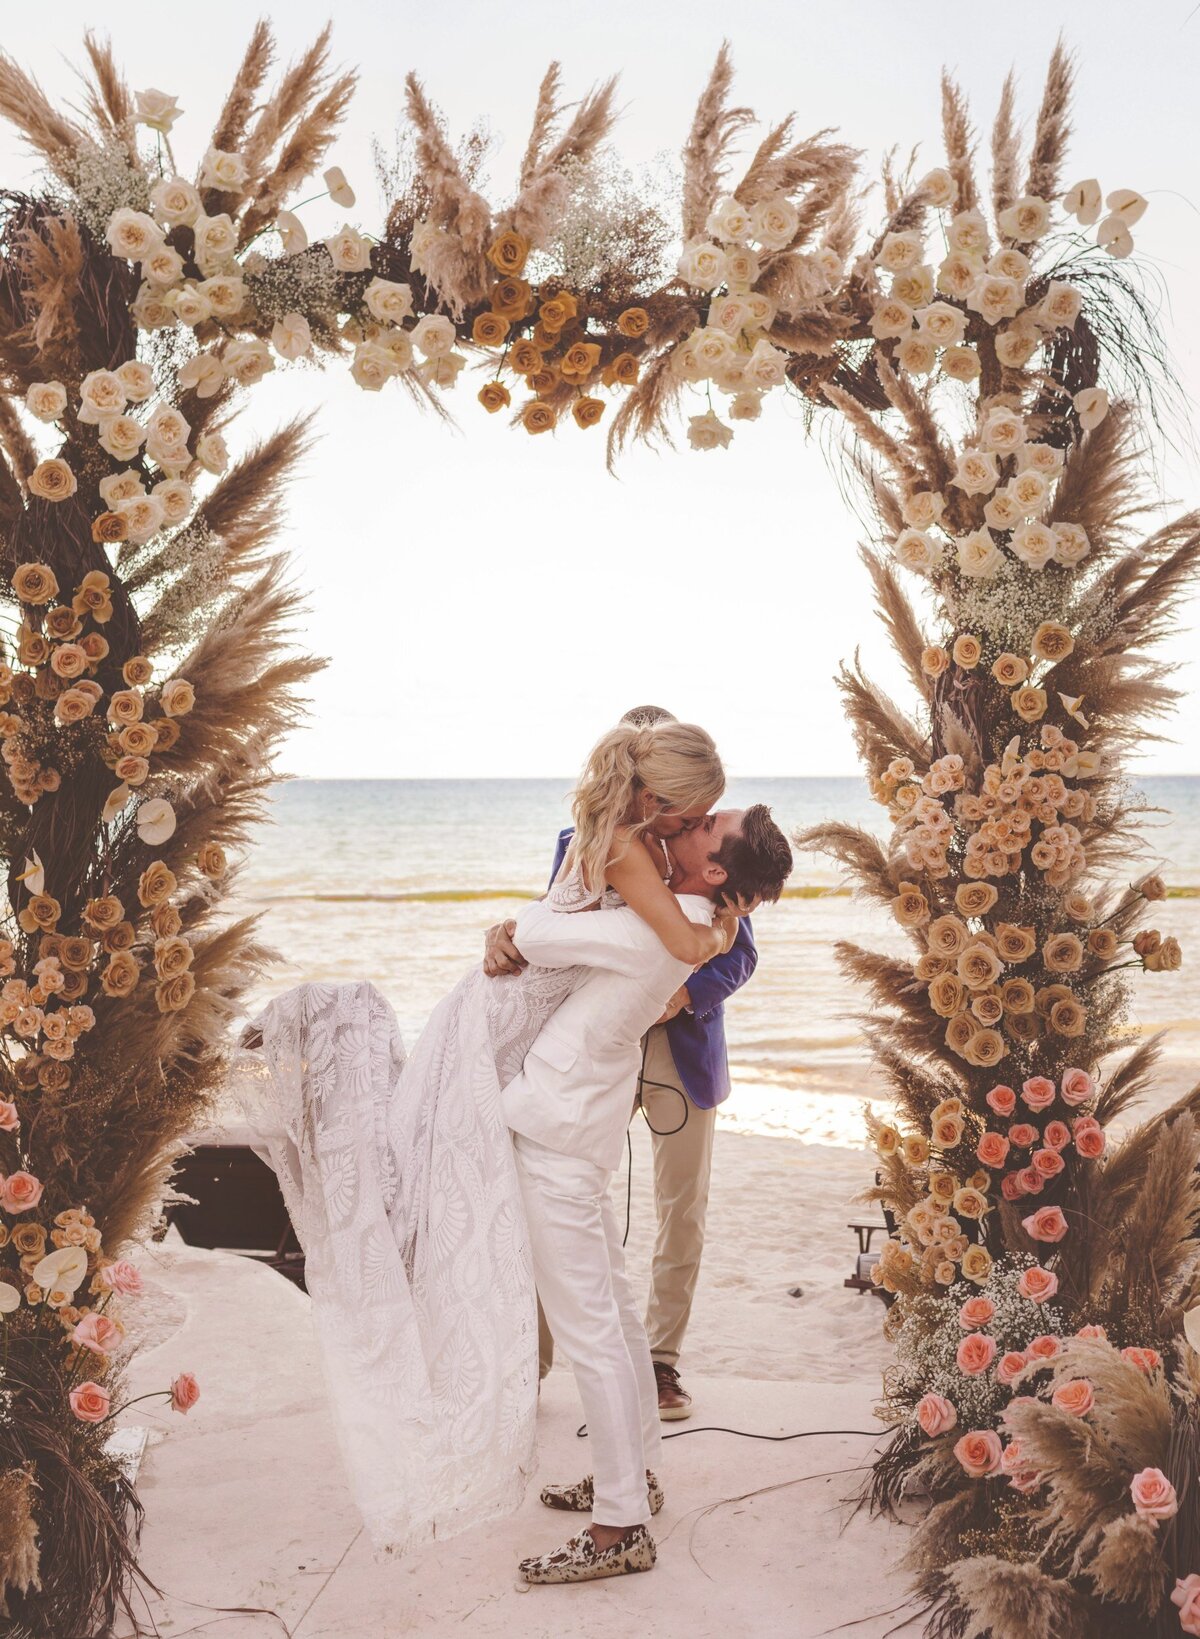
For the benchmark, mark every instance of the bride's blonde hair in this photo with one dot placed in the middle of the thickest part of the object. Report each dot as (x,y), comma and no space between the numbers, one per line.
(678,762)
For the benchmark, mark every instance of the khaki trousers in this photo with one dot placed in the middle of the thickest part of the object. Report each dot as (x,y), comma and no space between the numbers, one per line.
(682,1167)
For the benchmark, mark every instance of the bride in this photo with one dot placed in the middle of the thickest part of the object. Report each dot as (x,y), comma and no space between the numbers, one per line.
(399,1177)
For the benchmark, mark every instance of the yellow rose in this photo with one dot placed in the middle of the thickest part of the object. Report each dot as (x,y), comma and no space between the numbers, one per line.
(489,330)
(622,372)
(579,361)
(537,417)
(1009,670)
(52,480)
(967,651)
(157,882)
(1052,641)
(976,1264)
(494,396)
(172,995)
(558,311)
(509,253)
(633,322)
(587,411)
(121,975)
(35,583)
(524,357)
(1029,703)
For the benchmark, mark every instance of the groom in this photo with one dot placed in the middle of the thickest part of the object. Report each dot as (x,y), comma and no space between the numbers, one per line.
(568,1110)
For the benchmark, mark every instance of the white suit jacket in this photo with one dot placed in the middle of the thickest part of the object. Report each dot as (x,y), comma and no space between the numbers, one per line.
(575,1091)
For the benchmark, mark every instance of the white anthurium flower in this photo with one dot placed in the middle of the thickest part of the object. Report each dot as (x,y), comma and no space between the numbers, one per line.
(61,1270)
(10,1298)
(291,337)
(157,109)
(1071,704)
(1128,205)
(156,822)
(115,804)
(1114,237)
(1091,405)
(1083,202)
(292,231)
(340,190)
(34,874)
(1191,1328)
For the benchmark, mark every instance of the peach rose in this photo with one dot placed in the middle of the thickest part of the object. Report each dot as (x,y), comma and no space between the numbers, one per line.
(1146,1360)
(52,480)
(97,1333)
(1090,1139)
(936,1415)
(1030,1181)
(20,1192)
(1153,1495)
(173,995)
(1052,642)
(90,1402)
(1009,1365)
(1009,670)
(177,697)
(157,882)
(1002,1099)
(1077,1086)
(10,1121)
(976,1312)
(121,1277)
(979,1453)
(137,671)
(910,907)
(947,1131)
(1187,1598)
(975,1353)
(1049,1163)
(1096,1332)
(185,1391)
(1045,1347)
(1046,1224)
(992,1149)
(1057,1135)
(1039,1092)
(1075,1397)
(934,660)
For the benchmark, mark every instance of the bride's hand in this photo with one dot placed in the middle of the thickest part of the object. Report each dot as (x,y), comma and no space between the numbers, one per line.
(726,923)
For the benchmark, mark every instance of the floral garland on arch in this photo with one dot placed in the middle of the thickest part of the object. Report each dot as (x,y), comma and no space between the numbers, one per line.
(1044,1397)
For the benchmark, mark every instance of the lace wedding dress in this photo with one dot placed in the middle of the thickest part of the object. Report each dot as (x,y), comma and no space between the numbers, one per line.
(399,1178)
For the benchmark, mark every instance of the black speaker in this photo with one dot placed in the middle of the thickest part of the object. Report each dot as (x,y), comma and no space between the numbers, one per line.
(235,1204)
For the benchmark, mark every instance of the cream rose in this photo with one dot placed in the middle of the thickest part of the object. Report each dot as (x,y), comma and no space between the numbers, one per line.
(978,555)
(957,274)
(1071,544)
(175,203)
(216,241)
(900,251)
(388,301)
(1016,344)
(163,266)
(1010,264)
(730,221)
(151,310)
(939,188)
(372,366)
(917,551)
(977,472)
(348,250)
(212,453)
(741,268)
(707,432)
(961,363)
(1003,431)
(914,286)
(775,222)
(167,436)
(702,265)
(942,324)
(143,517)
(1029,491)
(247,361)
(156,109)
(119,486)
(766,367)
(1025,220)
(1060,306)
(137,379)
(915,356)
(995,298)
(891,318)
(132,235)
(433,335)
(1034,543)
(968,232)
(922,508)
(226,293)
(223,171)
(1002,511)
(189,304)
(46,400)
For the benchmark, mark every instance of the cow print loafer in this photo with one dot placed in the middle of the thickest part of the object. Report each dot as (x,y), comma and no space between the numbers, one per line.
(579,1560)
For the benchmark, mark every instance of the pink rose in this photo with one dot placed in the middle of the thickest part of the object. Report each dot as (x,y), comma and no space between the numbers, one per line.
(979,1452)
(1044,1347)
(121,1277)
(936,1415)
(992,1149)
(1049,1163)
(1025,1480)
(1187,1597)
(90,1402)
(976,1312)
(1031,1181)
(1039,1092)
(1023,1135)
(976,1353)
(20,1192)
(1090,1138)
(1057,1135)
(1091,1331)
(97,1333)
(1077,1086)
(1010,1186)
(1018,1400)
(1075,1397)
(9,1120)
(1010,1364)
(1037,1284)
(1046,1224)
(1146,1360)
(1002,1099)
(1153,1494)
(185,1391)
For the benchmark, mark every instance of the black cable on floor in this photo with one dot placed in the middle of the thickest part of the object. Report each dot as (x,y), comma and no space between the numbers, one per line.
(581,1433)
(659,1132)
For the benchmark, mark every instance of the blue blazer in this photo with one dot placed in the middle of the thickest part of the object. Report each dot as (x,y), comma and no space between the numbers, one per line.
(697,1037)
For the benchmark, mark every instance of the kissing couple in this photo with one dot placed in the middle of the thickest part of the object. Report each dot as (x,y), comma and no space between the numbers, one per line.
(438,1194)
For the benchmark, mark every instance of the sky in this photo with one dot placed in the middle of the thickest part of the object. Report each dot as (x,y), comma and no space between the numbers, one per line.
(488,602)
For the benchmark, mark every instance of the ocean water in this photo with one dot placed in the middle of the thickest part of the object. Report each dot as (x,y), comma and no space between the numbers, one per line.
(397,880)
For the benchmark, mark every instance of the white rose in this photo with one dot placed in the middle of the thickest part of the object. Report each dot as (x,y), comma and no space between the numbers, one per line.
(175,203)
(1034,543)
(941,324)
(248,361)
(1002,511)
(900,251)
(917,551)
(137,379)
(143,515)
(730,314)
(223,171)
(1091,405)
(1010,263)
(292,232)
(914,286)
(745,407)
(939,188)
(761,310)
(1071,545)
(1002,431)
(226,294)
(957,274)
(702,265)
(349,251)
(189,304)
(978,555)
(372,366)
(291,336)
(1025,220)
(1114,237)
(216,241)
(712,349)
(968,231)
(132,234)
(399,345)
(977,472)
(685,363)
(1083,202)
(731,376)
(775,222)
(424,243)
(891,318)
(1016,344)
(151,311)
(46,400)
(994,298)
(1128,205)
(922,508)
(442,370)
(741,268)
(163,266)
(706,432)
(916,356)
(101,394)
(433,335)
(1060,306)
(212,453)
(120,486)
(1043,458)
(830,264)
(1028,489)
(167,436)
(121,436)
(961,363)
(388,301)
(340,190)
(766,366)
(204,374)
(730,221)
(156,109)
(174,495)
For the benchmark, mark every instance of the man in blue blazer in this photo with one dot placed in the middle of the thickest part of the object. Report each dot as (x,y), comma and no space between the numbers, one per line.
(685,1076)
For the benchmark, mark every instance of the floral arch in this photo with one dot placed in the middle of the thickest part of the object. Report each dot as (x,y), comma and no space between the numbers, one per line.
(1044,1394)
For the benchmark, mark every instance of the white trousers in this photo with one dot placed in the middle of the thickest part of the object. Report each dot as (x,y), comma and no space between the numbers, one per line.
(579,1266)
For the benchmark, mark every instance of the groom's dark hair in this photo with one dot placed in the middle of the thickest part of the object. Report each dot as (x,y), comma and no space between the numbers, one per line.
(648,716)
(757,861)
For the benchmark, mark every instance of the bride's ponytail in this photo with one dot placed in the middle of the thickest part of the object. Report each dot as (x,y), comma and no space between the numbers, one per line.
(678,762)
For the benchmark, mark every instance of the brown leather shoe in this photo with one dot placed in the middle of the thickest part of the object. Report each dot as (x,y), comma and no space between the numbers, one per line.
(674,1401)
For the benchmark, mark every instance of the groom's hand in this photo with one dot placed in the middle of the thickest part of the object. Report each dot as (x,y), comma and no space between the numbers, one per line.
(678,1002)
(500,955)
